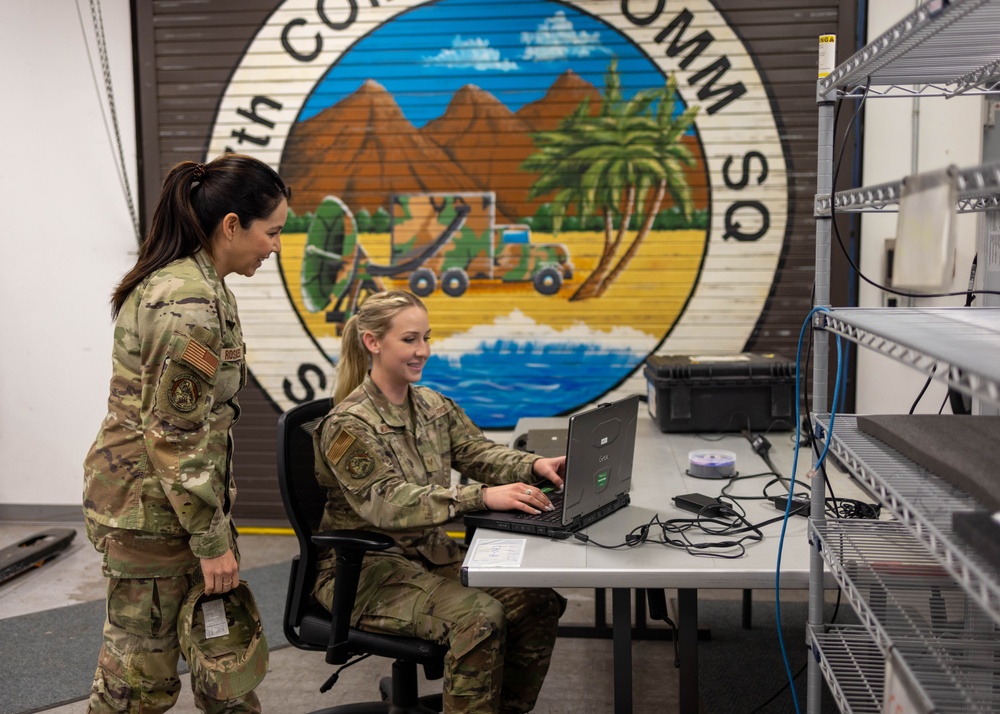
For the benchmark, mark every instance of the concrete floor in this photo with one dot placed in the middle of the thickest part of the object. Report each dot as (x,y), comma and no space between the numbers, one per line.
(580,678)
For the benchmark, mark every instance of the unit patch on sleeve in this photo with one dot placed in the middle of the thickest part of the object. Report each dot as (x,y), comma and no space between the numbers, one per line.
(360,464)
(184,393)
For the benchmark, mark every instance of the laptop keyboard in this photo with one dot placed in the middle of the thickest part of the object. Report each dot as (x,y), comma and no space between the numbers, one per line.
(553,516)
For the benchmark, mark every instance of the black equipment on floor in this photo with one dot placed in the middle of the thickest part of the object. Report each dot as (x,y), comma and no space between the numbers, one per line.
(33,551)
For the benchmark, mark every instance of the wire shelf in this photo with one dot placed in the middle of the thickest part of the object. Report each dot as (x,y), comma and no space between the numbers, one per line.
(981,83)
(948,648)
(952,45)
(922,502)
(955,345)
(978,190)
(853,666)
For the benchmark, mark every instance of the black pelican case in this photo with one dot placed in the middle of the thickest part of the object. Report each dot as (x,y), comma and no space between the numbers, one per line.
(718,393)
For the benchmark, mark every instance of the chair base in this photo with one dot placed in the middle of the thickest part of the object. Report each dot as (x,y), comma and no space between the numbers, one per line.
(399,694)
(379,708)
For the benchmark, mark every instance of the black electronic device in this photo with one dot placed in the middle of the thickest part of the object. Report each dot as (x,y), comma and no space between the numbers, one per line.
(800,504)
(701,504)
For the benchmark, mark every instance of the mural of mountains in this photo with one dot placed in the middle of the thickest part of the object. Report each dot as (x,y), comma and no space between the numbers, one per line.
(363,149)
(489,142)
(563,97)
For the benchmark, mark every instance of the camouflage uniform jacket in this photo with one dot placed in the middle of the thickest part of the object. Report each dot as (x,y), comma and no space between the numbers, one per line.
(382,476)
(159,473)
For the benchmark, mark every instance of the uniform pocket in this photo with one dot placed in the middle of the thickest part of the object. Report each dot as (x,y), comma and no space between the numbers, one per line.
(432,460)
(130,606)
(147,607)
(390,593)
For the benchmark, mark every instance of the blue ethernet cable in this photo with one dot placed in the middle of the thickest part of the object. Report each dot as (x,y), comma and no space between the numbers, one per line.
(791,485)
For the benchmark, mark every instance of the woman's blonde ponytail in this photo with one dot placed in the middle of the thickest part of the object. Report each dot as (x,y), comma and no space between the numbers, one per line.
(375,316)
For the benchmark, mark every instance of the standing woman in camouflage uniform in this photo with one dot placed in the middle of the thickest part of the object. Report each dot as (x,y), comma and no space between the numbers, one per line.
(158,484)
(387,451)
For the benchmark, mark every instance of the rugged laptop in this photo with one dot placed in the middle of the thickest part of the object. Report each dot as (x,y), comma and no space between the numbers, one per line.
(599,452)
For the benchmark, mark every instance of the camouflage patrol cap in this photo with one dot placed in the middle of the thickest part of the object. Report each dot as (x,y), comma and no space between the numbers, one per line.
(231,665)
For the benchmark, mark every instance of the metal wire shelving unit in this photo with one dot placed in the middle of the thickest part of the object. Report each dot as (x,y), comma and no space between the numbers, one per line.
(929,606)
(915,609)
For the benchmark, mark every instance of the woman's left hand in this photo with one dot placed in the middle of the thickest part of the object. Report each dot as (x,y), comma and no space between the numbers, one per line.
(552,468)
(221,574)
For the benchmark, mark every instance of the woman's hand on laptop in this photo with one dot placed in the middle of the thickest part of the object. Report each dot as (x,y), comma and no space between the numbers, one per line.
(552,468)
(516,497)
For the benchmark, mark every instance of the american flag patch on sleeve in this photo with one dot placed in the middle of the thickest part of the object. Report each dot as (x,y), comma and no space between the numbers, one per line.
(339,446)
(200,357)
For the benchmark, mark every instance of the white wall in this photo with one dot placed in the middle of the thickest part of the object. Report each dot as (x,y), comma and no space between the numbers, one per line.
(67,234)
(67,239)
(947,132)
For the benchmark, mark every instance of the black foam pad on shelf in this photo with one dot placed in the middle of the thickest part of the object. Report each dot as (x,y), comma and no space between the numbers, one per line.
(963,450)
(981,531)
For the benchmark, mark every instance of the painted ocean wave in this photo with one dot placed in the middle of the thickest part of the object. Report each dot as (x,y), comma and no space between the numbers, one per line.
(503,380)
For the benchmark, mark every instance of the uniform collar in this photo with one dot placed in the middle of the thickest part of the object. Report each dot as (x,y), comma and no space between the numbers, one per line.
(391,414)
(227,301)
(204,262)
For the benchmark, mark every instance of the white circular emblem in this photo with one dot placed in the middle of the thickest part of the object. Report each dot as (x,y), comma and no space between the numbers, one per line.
(745,163)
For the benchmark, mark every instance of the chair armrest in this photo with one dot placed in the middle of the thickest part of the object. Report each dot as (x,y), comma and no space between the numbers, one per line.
(353,540)
(350,547)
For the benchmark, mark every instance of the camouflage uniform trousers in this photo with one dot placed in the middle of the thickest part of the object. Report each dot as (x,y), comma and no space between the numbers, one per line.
(137,664)
(499,640)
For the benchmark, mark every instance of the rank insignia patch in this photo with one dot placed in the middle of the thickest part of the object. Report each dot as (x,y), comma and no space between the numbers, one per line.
(360,464)
(184,393)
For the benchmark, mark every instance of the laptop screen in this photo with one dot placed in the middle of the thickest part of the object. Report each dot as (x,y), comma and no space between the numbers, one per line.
(599,450)
(601,446)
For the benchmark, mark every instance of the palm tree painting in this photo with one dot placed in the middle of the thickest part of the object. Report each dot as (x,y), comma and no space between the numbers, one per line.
(621,162)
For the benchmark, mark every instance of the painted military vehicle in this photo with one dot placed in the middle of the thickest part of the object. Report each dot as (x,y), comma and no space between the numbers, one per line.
(480,249)
(435,238)
(337,270)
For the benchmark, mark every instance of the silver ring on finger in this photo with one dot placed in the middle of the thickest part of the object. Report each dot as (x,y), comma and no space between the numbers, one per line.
(527,492)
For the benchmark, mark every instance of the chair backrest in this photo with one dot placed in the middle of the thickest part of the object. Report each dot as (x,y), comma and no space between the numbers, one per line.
(304,501)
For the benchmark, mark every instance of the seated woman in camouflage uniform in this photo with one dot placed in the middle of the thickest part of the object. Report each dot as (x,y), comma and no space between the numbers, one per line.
(388,448)
(158,484)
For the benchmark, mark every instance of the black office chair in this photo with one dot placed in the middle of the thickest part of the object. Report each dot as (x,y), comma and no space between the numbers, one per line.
(307,624)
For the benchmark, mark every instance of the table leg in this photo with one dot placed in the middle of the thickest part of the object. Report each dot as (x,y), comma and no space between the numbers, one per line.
(621,623)
(600,605)
(747,609)
(687,643)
